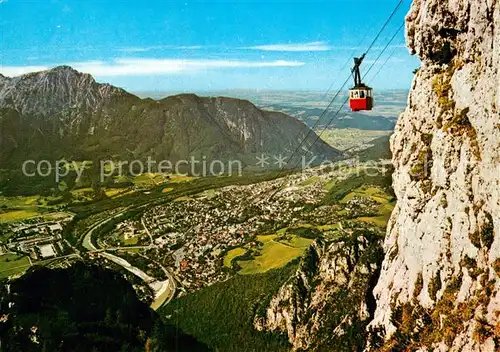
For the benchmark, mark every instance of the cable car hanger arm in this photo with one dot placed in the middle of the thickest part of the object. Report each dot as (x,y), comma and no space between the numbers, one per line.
(355,70)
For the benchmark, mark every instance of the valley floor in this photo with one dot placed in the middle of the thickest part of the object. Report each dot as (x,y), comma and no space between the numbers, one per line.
(196,237)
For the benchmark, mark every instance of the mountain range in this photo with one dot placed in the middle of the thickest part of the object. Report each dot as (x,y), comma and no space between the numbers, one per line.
(62,113)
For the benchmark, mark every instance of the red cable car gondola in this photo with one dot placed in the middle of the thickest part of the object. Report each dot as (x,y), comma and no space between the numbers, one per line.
(360,96)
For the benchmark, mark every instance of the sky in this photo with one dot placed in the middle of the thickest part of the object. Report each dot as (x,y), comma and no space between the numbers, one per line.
(196,46)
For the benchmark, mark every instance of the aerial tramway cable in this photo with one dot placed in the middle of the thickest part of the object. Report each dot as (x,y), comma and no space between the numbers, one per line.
(391,54)
(385,25)
(324,96)
(349,60)
(398,5)
(342,87)
(366,73)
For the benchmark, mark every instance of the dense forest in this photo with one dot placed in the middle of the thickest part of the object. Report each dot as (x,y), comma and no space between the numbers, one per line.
(222,315)
(82,308)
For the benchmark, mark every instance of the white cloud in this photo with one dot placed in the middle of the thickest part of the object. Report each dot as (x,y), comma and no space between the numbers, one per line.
(144,67)
(12,71)
(142,49)
(311,46)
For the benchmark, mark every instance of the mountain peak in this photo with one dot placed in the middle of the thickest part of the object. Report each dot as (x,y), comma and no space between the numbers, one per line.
(54,90)
(63,68)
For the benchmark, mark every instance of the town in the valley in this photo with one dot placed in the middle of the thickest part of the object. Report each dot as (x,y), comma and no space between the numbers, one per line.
(196,240)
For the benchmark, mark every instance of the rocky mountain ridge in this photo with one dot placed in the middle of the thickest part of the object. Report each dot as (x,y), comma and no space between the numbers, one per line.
(63,113)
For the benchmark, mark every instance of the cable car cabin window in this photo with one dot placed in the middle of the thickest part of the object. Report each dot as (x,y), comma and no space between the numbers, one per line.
(360,94)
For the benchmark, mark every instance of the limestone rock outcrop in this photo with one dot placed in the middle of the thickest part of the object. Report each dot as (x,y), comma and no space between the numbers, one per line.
(328,302)
(440,282)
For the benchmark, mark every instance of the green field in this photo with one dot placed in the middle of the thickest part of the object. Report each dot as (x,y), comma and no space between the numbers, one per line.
(16,215)
(274,253)
(10,215)
(328,227)
(179,178)
(374,193)
(298,242)
(83,193)
(11,264)
(378,195)
(129,242)
(233,253)
(182,199)
(346,138)
(20,208)
(310,181)
(25,202)
(154,179)
(330,184)
(148,180)
(380,221)
(87,194)
(209,193)
(113,192)
(59,215)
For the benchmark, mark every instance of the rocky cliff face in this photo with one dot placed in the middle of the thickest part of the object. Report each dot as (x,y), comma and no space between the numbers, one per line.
(328,303)
(440,284)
